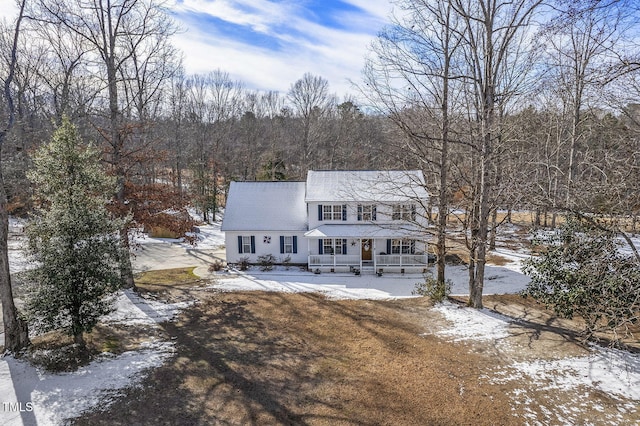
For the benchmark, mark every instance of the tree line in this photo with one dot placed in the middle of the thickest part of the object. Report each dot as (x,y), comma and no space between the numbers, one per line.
(504,105)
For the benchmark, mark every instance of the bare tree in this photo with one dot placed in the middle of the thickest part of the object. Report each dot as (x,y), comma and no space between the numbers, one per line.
(491,29)
(311,99)
(410,78)
(16,335)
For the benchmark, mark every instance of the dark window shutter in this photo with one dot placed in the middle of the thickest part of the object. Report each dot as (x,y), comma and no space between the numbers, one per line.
(344,212)
(240,244)
(319,211)
(253,244)
(295,244)
(281,244)
(388,246)
(344,246)
(359,212)
(413,212)
(320,247)
(373,213)
(413,247)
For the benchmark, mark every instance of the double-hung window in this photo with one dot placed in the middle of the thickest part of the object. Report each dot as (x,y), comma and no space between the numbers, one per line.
(288,244)
(246,244)
(366,212)
(403,246)
(404,212)
(332,212)
(333,246)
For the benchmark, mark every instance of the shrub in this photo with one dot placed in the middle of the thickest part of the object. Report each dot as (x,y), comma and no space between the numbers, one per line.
(286,262)
(266,262)
(243,263)
(432,289)
(215,266)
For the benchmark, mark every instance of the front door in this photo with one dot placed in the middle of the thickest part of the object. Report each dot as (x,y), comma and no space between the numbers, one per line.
(367,249)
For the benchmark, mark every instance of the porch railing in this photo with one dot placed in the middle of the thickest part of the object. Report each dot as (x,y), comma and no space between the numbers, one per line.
(317,260)
(383,260)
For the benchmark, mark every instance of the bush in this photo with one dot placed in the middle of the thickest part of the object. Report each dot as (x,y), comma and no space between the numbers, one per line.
(432,289)
(266,262)
(286,262)
(243,263)
(215,266)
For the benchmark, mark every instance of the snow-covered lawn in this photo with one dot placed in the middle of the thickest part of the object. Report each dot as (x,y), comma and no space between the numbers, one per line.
(499,280)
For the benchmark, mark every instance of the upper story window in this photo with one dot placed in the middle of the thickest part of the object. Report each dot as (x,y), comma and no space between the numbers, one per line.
(367,212)
(332,212)
(404,212)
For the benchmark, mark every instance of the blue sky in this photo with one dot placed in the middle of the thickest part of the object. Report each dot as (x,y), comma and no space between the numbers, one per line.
(269,44)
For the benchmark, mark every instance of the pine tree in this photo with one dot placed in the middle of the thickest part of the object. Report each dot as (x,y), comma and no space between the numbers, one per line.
(73,238)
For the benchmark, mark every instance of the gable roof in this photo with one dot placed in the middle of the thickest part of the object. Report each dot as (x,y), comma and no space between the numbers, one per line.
(365,186)
(268,206)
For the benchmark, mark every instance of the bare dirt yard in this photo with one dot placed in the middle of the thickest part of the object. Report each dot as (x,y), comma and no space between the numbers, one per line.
(261,358)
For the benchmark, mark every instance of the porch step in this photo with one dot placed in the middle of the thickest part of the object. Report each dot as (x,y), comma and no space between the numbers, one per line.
(367,270)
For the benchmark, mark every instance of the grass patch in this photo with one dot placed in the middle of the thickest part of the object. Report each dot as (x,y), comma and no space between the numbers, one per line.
(166,279)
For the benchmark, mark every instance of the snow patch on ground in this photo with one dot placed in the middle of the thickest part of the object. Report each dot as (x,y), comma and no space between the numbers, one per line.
(472,324)
(57,397)
(208,236)
(613,372)
(349,286)
(131,309)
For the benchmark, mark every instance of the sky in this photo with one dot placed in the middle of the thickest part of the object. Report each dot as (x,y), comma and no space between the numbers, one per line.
(269,44)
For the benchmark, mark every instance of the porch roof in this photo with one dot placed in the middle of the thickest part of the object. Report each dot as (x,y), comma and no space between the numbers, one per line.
(365,231)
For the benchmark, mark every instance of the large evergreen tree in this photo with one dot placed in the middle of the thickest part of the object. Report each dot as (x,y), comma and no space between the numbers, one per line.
(73,238)
(584,270)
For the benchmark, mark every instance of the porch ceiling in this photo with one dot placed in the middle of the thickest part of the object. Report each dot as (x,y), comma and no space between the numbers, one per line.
(365,231)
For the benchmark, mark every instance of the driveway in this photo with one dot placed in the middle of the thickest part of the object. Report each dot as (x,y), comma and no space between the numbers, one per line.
(166,255)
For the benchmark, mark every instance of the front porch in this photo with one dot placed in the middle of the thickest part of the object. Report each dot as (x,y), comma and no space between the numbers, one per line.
(380,263)
(367,248)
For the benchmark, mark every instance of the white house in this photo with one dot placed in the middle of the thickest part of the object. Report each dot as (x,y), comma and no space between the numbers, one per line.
(368,221)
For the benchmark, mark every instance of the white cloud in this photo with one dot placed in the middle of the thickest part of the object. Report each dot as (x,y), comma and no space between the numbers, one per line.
(305,46)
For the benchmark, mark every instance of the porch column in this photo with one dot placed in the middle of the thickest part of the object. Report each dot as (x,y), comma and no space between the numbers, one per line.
(360,252)
(374,254)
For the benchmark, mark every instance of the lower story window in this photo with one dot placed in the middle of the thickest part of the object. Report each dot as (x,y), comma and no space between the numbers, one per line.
(403,246)
(246,244)
(288,244)
(333,246)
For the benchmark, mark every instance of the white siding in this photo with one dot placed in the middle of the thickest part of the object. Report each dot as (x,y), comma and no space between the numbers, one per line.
(263,247)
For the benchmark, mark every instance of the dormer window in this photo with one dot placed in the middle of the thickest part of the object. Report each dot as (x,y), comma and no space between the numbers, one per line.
(404,212)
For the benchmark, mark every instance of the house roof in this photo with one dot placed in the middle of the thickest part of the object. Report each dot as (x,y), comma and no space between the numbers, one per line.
(365,186)
(268,206)
(364,231)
